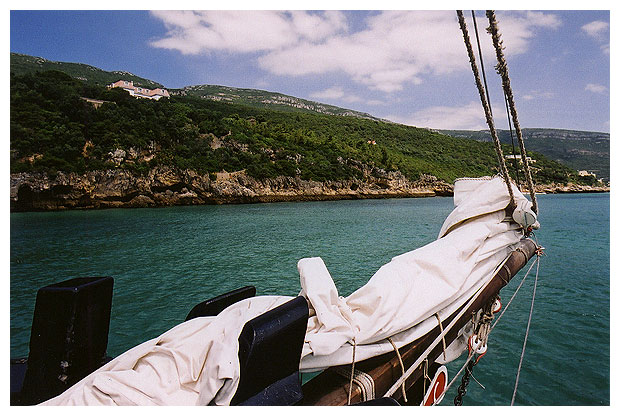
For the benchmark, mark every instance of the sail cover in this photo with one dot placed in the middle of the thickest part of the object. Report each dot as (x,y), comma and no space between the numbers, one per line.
(196,362)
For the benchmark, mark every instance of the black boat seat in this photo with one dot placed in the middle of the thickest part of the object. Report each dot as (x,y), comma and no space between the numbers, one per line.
(269,354)
(217,304)
(68,338)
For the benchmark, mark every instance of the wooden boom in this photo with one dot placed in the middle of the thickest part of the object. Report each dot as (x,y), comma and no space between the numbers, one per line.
(332,389)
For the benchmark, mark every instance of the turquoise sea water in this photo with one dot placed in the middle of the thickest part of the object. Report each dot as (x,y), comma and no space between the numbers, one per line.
(165,260)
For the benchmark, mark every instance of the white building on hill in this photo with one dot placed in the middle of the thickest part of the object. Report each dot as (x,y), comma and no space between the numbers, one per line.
(154,94)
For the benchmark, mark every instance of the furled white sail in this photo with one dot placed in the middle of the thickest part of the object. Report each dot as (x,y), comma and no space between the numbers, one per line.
(196,362)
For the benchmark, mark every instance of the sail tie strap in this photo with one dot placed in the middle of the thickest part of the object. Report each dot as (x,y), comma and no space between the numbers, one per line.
(352,372)
(402,367)
(423,356)
(443,338)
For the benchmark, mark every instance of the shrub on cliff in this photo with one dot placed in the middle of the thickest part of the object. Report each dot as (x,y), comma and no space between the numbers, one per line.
(54,129)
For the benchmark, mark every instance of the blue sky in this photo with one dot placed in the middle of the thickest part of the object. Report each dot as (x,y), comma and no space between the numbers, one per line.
(407,66)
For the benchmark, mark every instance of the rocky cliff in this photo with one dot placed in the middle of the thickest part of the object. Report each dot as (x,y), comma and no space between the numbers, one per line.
(165,187)
(118,188)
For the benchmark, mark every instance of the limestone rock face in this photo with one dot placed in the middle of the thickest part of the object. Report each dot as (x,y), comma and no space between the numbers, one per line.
(163,186)
(569,188)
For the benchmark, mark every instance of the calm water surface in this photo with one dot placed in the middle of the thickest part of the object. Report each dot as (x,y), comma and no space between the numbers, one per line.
(166,260)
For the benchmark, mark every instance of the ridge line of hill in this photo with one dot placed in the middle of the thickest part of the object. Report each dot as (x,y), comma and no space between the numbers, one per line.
(56,133)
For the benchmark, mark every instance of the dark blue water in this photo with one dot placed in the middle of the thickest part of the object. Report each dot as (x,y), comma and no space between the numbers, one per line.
(166,260)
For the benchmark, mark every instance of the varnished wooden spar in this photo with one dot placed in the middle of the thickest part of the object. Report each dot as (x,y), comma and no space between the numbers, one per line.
(331,389)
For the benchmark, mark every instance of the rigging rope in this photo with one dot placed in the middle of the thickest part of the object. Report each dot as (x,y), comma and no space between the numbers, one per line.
(512,140)
(527,331)
(433,344)
(484,76)
(352,372)
(505,308)
(443,339)
(486,87)
(402,367)
(486,107)
(502,70)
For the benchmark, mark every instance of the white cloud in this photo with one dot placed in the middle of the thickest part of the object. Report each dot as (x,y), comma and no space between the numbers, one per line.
(518,28)
(329,94)
(605,48)
(194,32)
(467,117)
(392,49)
(335,93)
(376,102)
(317,27)
(596,88)
(596,29)
(536,94)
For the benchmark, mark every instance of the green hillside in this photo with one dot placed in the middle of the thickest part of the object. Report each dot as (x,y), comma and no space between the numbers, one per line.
(53,129)
(578,150)
(25,64)
(581,150)
(267,99)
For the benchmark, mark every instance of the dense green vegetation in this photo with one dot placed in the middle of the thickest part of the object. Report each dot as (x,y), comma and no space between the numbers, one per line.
(267,99)
(580,150)
(54,129)
(26,64)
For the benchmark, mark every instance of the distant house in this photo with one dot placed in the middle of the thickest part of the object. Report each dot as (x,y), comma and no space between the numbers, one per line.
(141,92)
(518,157)
(586,173)
(94,102)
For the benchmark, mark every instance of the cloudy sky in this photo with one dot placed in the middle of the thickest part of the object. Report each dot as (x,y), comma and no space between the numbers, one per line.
(407,66)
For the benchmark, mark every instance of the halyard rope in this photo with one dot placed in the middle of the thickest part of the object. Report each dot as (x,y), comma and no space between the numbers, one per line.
(484,76)
(502,70)
(486,106)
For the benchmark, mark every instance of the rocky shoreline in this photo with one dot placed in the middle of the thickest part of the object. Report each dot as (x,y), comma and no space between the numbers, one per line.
(116,188)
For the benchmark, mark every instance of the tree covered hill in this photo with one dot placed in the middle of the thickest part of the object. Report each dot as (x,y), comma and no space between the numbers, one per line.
(581,150)
(267,99)
(576,149)
(26,64)
(54,129)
